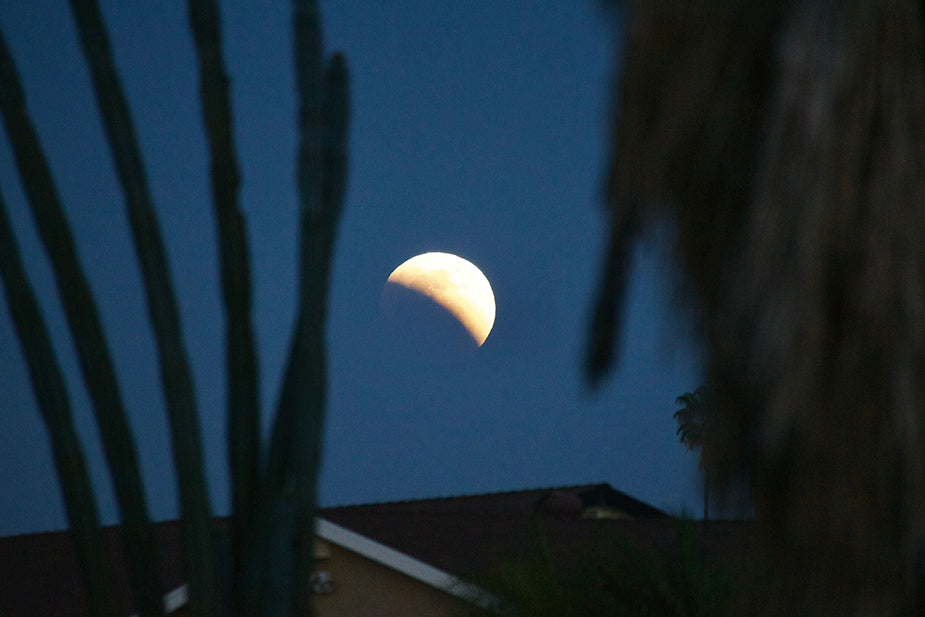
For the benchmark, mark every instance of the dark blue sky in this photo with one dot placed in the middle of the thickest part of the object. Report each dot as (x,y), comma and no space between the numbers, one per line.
(478,129)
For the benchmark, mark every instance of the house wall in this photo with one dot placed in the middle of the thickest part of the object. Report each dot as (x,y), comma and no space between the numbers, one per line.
(365,588)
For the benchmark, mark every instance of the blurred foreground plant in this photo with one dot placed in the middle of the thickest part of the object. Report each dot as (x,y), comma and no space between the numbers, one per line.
(613,578)
(273,493)
(784,142)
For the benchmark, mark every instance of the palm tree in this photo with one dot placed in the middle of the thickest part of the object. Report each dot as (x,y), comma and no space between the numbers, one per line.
(693,423)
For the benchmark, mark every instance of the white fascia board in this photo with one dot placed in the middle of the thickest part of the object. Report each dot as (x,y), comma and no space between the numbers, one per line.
(406,564)
(380,553)
(176,598)
(173,600)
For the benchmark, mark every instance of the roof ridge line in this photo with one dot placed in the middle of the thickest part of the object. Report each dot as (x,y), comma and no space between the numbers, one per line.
(469,495)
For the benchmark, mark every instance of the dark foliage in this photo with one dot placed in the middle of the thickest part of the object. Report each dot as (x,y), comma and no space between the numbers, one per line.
(614,578)
(786,143)
(693,418)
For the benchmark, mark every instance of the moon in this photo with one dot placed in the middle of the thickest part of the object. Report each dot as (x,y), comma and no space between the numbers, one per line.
(455,284)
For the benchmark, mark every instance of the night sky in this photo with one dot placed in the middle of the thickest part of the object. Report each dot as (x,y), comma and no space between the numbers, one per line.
(478,128)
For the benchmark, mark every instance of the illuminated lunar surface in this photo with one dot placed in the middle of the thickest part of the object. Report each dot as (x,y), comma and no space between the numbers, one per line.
(453,283)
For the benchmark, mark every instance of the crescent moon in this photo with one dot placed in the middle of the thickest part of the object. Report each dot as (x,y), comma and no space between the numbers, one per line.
(453,283)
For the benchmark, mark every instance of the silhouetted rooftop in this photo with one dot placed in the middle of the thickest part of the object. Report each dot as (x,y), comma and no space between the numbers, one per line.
(461,535)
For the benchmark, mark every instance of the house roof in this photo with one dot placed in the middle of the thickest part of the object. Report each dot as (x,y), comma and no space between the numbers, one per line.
(467,534)
(40,575)
(437,541)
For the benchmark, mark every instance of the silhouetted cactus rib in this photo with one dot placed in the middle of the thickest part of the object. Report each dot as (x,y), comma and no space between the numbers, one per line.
(243,422)
(89,340)
(316,265)
(54,405)
(175,374)
(290,482)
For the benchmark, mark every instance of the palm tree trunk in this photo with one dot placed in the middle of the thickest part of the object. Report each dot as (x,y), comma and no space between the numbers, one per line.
(706,496)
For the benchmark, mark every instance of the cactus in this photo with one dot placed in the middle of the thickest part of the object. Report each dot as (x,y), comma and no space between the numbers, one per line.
(176,379)
(272,507)
(84,323)
(243,417)
(282,557)
(54,405)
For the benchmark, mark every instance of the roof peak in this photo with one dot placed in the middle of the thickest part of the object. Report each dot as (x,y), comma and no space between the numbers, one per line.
(543,489)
